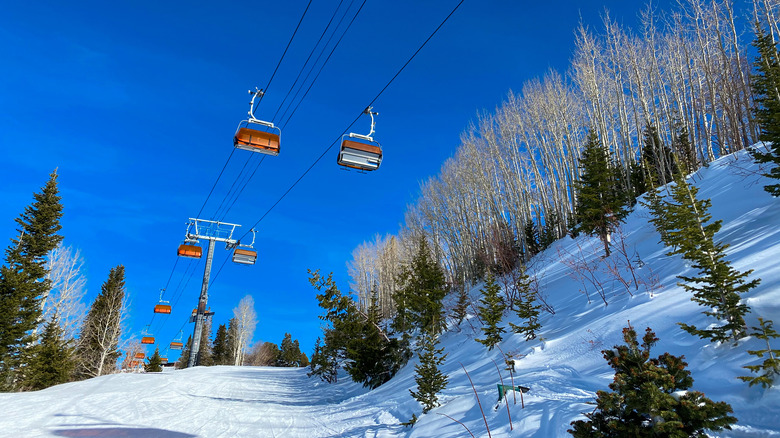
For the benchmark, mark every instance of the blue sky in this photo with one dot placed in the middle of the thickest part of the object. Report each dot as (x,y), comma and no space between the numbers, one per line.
(136,105)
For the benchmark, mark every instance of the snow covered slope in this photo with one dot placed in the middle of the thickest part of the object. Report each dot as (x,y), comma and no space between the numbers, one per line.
(563,370)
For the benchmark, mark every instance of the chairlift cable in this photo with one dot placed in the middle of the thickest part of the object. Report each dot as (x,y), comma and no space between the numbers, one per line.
(361,113)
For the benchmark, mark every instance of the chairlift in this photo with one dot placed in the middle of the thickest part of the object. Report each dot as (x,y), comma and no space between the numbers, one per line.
(361,152)
(177,344)
(146,337)
(140,355)
(163,306)
(245,256)
(191,251)
(256,135)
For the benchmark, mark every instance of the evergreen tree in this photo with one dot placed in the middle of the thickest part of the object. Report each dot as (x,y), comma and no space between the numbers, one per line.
(685,151)
(657,158)
(23,280)
(532,245)
(601,199)
(205,357)
(374,357)
(97,350)
(219,349)
(550,233)
(430,380)
(647,398)
(323,363)
(290,352)
(154,364)
(685,224)
(419,298)
(232,340)
(51,361)
(770,368)
(491,311)
(766,89)
(527,308)
(460,310)
(184,358)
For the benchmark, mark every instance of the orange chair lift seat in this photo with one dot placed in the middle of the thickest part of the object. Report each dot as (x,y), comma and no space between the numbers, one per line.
(147,339)
(257,141)
(162,308)
(192,251)
(357,155)
(177,345)
(140,355)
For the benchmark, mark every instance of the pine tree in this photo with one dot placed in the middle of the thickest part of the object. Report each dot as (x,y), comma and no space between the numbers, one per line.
(685,150)
(219,349)
(154,364)
(232,340)
(766,89)
(685,224)
(528,308)
(323,363)
(491,312)
(97,349)
(290,352)
(205,357)
(23,279)
(374,357)
(184,358)
(770,368)
(430,380)
(460,310)
(649,397)
(419,298)
(657,157)
(52,359)
(532,245)
(601,200)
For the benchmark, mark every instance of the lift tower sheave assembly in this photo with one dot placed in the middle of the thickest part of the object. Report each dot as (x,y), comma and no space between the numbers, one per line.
(213,231)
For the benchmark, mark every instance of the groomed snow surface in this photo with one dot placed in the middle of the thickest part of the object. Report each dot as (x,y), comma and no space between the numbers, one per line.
(563,369)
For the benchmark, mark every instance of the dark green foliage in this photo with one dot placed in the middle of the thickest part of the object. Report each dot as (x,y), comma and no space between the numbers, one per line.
(766,89)
(527,308)
(97,350)
(51,361)
(491,312)
(657,158)
(532,245)
(324,362)
(770,368)
(685,151)
(411,421)
(184,358)
(460,310)
(22,279)
(686,226)
(231,341)
(601,198)
(219,348)
(422,288)
(647,398)
(154,364)
(205,357)
(550,232)
(430,380)
(290,353)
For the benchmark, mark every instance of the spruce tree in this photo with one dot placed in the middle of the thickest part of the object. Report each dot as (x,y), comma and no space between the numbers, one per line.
(289,353)
(184,358)
(205,357)
(532,244)
(491,312)
(219,349)
(769,369)
(601,199)
(52,359)
(374,356)
(650,397)
(460,310)
(687,162)
(766,89)
(97,349)
(154,364)
(23,279)
(528,308)
(422,288)
(430,380)
(686,225)
(232,341)
(657,157)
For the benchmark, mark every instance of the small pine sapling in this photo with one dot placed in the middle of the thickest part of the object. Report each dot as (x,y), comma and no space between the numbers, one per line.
(491,311)
(154,365)
(770,368)
(430,380)
(527,308)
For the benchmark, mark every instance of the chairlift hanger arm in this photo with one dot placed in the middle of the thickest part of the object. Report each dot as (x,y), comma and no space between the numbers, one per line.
(253,108)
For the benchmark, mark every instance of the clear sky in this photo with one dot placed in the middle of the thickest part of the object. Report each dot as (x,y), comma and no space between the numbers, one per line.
(136,104)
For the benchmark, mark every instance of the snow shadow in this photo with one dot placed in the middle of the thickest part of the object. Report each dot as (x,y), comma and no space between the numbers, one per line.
(124,432)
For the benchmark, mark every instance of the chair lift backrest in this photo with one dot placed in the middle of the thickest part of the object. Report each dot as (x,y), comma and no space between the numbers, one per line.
(162,308)
(192,251)
(254,140)
(244,256)
(359,155)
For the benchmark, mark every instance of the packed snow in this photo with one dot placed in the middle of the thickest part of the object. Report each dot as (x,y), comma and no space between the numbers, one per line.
(563,368)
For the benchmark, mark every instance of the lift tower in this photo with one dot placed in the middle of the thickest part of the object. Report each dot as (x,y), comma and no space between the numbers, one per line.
(213,231)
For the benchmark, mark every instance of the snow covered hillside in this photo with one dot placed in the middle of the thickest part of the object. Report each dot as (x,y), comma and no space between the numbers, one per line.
(564,369)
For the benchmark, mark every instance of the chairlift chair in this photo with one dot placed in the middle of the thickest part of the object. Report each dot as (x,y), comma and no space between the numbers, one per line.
(256,135)
(246,255)
(147,339)
(361,152)
(191,251)
(175,345)
(140,355)
(163,306)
